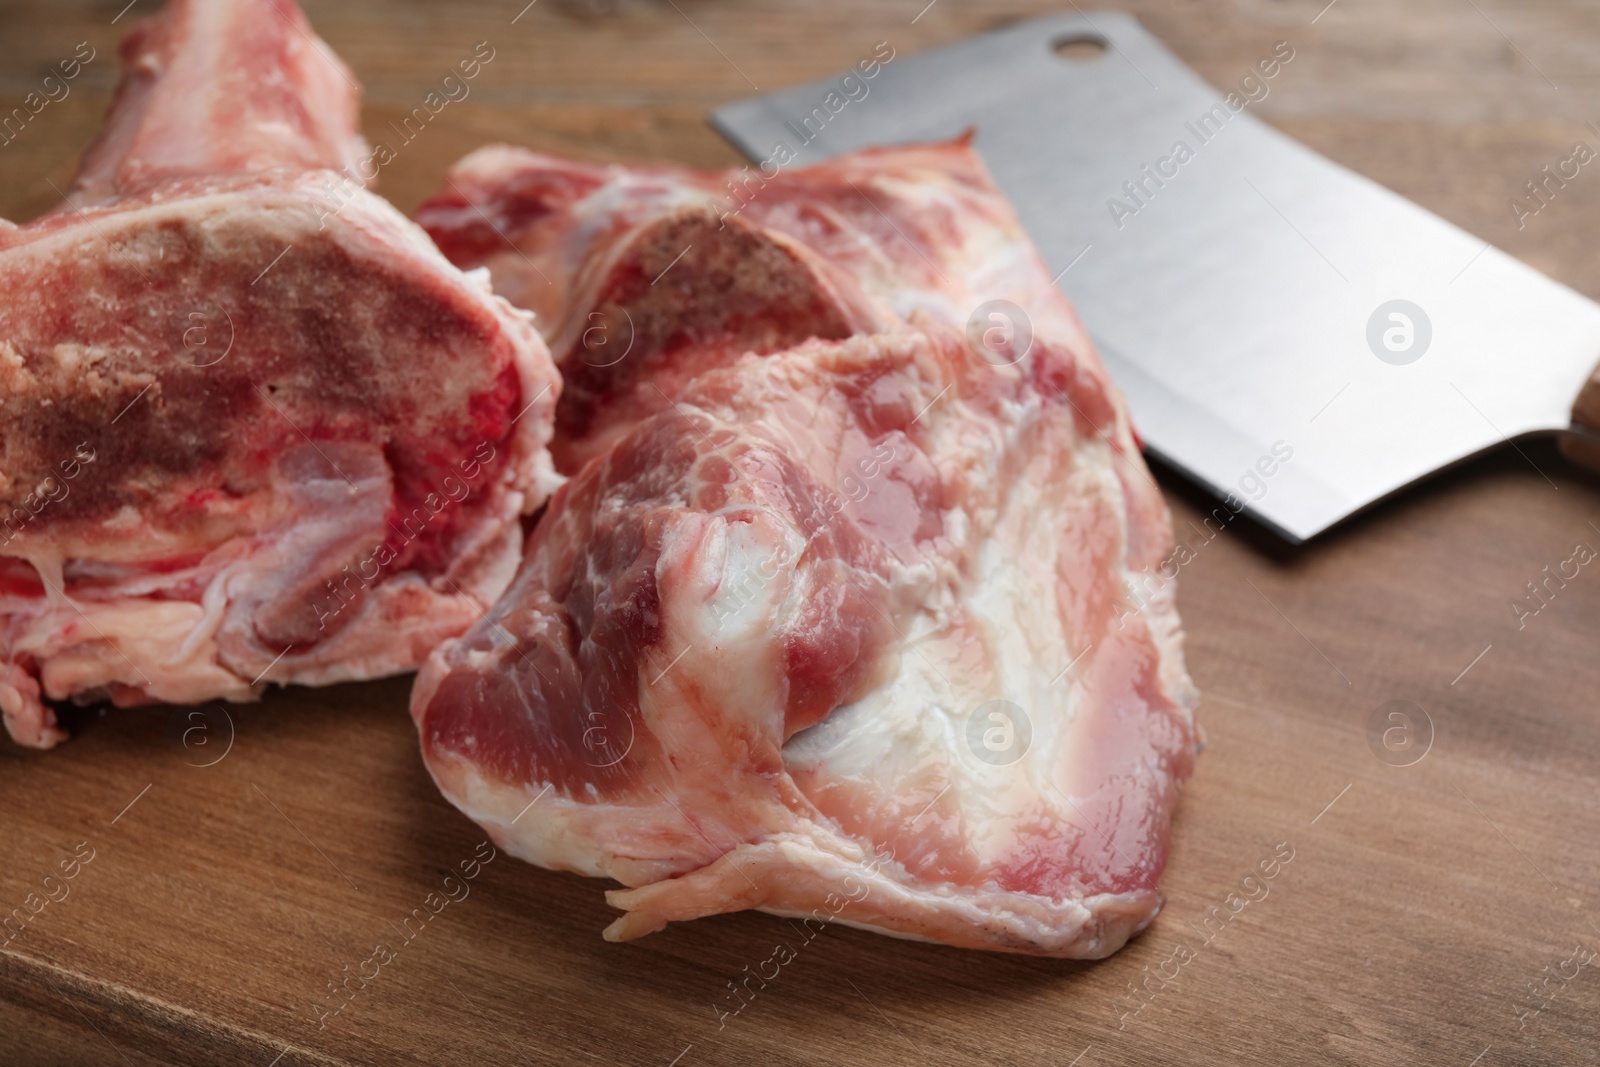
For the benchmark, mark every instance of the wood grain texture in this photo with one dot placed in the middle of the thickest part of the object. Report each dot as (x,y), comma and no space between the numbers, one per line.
(1416,912)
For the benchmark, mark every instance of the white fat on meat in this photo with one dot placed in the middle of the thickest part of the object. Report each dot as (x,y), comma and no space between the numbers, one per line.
(832,619)
(784,688)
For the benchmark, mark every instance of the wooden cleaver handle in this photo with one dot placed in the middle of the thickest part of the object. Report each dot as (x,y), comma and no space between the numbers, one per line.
(1585,451)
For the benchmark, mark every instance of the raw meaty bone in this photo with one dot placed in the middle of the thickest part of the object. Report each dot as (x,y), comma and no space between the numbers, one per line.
(840,630)
(680,270)
(255,428)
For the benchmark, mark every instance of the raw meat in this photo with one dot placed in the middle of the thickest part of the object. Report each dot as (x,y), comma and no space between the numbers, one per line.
(642,277)
(835,626)
(255,427)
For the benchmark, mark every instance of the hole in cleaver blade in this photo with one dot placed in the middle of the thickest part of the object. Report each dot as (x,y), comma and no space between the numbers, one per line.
(1248,295)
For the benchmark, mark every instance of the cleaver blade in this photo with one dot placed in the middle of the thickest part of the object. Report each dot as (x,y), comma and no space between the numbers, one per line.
(1250,299)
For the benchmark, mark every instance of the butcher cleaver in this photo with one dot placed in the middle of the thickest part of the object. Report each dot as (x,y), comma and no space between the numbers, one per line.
(1251,298)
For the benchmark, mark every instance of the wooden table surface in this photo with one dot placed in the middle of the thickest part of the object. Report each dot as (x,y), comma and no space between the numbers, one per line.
(1440,912)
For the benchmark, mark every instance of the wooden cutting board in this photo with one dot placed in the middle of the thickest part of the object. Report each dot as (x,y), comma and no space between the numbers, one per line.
(1440,912)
